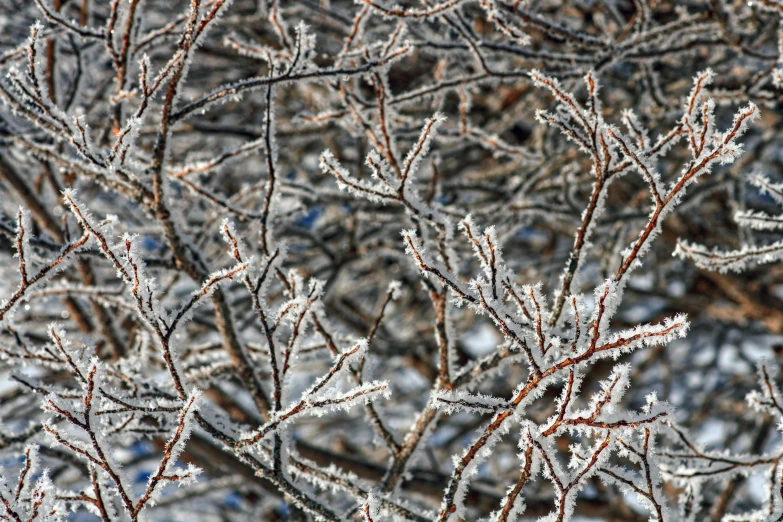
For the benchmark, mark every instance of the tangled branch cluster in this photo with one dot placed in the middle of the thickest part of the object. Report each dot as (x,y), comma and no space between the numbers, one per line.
(336,260)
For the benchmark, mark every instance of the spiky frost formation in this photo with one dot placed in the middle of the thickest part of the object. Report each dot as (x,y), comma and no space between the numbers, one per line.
(381,261)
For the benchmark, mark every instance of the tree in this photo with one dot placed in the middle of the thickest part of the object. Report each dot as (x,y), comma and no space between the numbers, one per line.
(363,261)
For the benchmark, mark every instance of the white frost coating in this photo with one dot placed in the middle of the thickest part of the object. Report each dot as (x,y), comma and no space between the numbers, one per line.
(732,260)
(758,220)
(325,396)
(642,163)
(38,502)
(395,290)
(471,469)
(503,23)
(35,276)
(24,229)
(698,91)
(422,147)
(517,507)
(593,343)
(167,470)
(201,295)
(636,129)
(741,259)
(567,101)
(335,400)
(375,192)
(371,510)
(529,203)
(450,401)
(415,248)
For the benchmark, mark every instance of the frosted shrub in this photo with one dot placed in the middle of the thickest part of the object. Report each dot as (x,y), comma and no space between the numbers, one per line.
(336,260)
